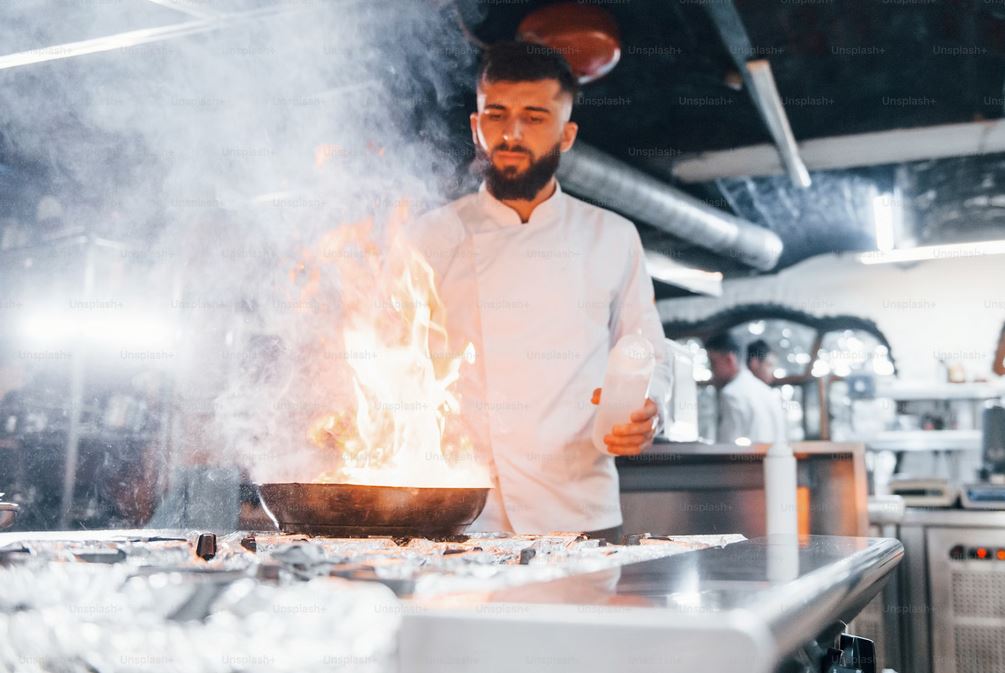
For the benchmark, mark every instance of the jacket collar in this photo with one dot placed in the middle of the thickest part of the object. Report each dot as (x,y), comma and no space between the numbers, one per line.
(502,215)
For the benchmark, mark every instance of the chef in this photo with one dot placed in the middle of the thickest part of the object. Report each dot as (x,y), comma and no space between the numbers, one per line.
(543,285)
(761,361)
(749,410)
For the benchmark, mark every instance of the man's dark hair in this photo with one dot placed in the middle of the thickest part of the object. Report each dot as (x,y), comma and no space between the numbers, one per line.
(758,349)
(526,62)
(723,342)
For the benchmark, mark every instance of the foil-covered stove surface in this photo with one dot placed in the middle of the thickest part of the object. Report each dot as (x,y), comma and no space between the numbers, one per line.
(186,601)
(410,566)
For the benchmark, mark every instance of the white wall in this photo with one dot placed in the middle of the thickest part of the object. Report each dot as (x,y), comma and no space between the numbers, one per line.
(948,308)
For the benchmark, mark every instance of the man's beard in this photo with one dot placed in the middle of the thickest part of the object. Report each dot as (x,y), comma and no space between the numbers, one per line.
(510,184)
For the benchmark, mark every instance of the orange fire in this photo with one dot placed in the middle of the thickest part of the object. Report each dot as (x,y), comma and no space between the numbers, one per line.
(402,429)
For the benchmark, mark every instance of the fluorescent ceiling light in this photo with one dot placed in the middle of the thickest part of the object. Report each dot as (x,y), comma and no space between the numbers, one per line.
(667,270)
(97,45)
(929,252)
(133,38)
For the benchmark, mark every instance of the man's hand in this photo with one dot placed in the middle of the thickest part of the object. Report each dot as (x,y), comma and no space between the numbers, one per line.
(630,439)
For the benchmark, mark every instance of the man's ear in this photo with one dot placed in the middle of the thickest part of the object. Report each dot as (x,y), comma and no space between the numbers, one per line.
(474,128)
(569,132)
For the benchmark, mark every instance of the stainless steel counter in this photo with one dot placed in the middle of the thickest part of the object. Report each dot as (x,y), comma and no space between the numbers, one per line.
(702,488)
(745,607)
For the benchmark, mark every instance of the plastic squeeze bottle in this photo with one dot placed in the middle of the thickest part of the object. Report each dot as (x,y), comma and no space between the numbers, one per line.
(780,484)
(626,382)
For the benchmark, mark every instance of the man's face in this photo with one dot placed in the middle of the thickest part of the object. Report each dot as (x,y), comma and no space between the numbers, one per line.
(764,368)
(725,367)
(521,128)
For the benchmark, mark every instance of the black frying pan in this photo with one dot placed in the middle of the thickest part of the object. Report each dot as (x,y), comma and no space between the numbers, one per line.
(354,510)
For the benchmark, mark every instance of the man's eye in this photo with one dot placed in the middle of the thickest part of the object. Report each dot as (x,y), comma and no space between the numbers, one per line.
(494,116)
(536,120)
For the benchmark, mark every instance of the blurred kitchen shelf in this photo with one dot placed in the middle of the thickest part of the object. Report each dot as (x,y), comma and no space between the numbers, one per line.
(924,440)
(914,390)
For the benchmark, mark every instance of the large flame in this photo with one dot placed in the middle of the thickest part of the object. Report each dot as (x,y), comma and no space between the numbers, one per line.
(402,430)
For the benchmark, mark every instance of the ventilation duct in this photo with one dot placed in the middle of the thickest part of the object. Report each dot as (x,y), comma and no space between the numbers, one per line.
(614,184)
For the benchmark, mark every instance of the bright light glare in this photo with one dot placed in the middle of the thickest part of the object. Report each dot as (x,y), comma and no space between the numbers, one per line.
(702,374)
(820,368)
(665,269)
(49,329)
(882,367)
(930,252)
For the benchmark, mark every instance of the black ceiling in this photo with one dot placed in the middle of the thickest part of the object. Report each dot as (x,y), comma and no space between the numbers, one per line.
(834,62)
(841,68)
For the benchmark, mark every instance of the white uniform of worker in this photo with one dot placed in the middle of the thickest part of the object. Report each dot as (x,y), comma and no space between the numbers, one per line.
(749,408)
(542,302)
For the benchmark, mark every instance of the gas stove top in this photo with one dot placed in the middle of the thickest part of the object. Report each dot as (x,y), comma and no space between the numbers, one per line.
(410,567)
(192,601)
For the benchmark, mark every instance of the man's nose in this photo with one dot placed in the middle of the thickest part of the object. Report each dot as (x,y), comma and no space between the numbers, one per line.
(513,131)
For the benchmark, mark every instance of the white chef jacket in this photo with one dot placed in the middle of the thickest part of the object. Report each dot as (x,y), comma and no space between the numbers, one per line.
(748,407)
(543,302)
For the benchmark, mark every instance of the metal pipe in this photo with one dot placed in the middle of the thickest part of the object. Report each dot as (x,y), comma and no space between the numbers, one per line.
(614,184)
(770,103)
(897,146)
(760,83)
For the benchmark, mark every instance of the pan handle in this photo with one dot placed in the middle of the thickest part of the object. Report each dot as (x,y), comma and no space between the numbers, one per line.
(8,513)
(265,507)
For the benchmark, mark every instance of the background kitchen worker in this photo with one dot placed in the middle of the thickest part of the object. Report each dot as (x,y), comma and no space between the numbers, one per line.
(748,408)
(761,360)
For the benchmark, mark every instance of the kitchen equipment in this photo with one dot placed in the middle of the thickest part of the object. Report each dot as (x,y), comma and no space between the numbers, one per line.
(923,491)
(983,496)
(353,510)
(696,488)
(944,612)
(585,35)
(989,492)
(993,441)
(966,584)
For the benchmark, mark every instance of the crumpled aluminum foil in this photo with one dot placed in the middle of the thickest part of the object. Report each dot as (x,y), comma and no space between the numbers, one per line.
(70,617)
